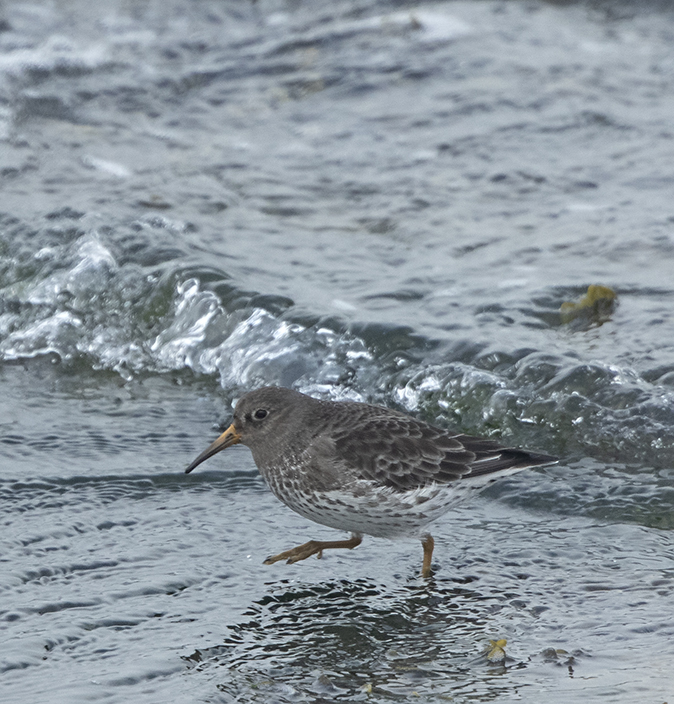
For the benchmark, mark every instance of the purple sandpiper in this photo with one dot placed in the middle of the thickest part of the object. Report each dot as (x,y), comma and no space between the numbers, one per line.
(362,468)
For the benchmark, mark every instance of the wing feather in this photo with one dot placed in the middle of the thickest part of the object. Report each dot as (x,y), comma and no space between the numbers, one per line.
(404,453)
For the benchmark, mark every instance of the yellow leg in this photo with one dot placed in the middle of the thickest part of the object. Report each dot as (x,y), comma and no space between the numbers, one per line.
(313,547)
(428,544)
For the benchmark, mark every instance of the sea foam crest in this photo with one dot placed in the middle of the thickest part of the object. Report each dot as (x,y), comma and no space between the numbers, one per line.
(79,302)
(252,347)
(51,315)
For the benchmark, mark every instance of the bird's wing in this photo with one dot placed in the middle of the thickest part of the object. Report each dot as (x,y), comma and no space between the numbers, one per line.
(403,453)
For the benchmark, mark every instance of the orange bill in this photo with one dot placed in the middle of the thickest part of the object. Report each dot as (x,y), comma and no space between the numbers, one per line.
(229,437)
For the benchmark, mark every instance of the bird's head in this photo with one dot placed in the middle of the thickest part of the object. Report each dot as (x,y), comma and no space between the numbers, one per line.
(260,419)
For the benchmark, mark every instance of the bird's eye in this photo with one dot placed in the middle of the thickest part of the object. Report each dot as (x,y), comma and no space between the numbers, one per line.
(260,414)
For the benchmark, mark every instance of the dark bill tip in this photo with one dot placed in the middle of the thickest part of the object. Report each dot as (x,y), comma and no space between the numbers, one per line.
(230,437)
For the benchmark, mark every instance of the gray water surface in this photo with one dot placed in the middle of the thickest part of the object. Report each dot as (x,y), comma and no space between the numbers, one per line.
(387,202)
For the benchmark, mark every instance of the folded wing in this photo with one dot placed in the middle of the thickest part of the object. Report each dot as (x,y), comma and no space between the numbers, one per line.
(403,453)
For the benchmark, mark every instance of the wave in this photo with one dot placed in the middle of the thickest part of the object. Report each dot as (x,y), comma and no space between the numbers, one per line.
(88,307)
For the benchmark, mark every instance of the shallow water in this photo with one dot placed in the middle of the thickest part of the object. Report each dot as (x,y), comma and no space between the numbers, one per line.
(361,200)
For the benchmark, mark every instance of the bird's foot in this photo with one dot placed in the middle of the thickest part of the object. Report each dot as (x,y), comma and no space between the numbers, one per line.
(428,543)
(301,552)
(313,547)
